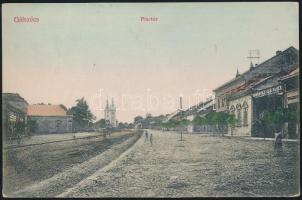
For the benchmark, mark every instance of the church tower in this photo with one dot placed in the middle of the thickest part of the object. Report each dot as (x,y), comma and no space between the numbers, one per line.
(109,113)
(113,111)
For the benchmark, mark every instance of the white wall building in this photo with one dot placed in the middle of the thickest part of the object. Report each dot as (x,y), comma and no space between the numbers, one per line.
(242,109)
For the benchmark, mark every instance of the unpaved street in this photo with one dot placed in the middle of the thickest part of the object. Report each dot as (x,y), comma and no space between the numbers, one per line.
(198,166)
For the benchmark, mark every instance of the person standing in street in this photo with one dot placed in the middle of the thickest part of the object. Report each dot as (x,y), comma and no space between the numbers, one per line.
(151,139)
(146,135)
(19,138)
(278,140)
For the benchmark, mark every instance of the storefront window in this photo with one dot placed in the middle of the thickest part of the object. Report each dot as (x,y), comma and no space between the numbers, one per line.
(245,117)
(232,110)
(238,107)
(218,103)
(239,117)
(245,113)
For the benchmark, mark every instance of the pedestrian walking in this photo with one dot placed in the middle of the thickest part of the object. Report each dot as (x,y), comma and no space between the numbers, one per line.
(146,135)
(278,140)
(105,133)
(151,139)
(19,138)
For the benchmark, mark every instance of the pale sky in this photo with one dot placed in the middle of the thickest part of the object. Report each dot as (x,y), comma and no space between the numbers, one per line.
(78,50)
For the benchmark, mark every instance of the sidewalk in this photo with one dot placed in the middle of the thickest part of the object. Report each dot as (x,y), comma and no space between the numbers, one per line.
(51,138)
(260,138)
(273,139)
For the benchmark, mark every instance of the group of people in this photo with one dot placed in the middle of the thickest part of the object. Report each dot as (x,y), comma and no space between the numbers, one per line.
(150,138)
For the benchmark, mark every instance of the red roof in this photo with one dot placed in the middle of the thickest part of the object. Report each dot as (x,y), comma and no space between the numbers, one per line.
(46,110)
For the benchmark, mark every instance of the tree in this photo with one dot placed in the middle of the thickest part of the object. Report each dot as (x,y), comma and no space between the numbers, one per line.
(220,120)
(64,107)
(293,116)
(138,119)
(173,123)
(274,120)
(82,116)
(100,124)
(184,122)
(168,124)
(20,128)
(198,120)
(121,125)
(231,120)
(131,125)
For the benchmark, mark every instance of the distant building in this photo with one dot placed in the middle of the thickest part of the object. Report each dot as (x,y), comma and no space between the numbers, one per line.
(110,114)
(50,118)
(201,109)
(14,112)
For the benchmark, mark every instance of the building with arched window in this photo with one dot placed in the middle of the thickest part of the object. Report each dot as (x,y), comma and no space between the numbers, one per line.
(249,104)
(241,108)
(249,94)
(245,109)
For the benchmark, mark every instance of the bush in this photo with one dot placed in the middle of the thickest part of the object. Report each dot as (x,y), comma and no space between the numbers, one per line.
(275,119)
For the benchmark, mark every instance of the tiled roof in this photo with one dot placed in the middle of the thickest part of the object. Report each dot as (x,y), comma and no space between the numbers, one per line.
(46,110)
(250,70)
(295,72)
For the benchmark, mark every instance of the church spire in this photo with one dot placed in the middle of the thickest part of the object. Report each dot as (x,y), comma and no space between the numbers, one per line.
(237,73)
(251,66)
(107,104)
(112,103)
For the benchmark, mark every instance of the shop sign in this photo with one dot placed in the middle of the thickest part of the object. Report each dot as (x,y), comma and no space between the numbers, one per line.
(268,91)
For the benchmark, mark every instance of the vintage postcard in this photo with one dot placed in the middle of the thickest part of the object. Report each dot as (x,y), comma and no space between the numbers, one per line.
(151,99)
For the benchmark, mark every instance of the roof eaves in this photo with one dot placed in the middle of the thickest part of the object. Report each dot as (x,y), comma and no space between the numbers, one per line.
(247,71)
(49,115)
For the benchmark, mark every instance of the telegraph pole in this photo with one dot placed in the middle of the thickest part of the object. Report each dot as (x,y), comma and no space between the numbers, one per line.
(180,106)
(254,54)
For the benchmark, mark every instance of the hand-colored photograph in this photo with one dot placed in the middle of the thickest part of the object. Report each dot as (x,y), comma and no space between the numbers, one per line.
(150,100)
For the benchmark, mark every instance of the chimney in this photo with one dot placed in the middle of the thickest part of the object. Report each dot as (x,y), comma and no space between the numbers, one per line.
(180,103)
(278,52)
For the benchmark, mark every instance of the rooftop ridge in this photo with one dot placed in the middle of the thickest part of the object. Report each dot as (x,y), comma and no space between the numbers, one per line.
(255,67)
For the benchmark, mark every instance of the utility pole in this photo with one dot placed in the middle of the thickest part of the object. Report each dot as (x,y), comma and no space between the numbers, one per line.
(180,102)
(254,54)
